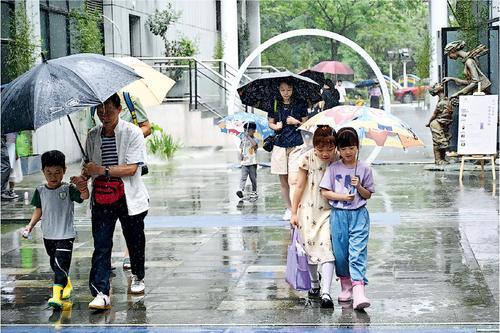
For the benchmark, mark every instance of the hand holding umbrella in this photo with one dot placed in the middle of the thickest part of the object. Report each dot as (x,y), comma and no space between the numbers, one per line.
(59,87)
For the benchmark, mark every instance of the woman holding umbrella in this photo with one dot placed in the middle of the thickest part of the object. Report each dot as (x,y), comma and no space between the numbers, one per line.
(285,117)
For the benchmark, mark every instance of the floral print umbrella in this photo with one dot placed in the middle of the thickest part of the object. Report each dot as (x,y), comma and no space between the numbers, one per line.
(261,92)
(234,125)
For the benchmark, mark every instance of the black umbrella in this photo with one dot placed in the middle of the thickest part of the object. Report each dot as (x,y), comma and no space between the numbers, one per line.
(366,83)
(262,91)
(317,77)
(56,88)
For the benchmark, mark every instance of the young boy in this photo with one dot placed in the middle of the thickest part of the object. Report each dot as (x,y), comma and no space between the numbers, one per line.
(54,206)
(248,155)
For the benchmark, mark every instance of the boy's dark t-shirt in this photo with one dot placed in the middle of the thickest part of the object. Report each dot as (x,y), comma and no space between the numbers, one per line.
(289,136)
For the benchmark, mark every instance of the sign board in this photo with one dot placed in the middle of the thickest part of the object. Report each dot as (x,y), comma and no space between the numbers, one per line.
(477,125)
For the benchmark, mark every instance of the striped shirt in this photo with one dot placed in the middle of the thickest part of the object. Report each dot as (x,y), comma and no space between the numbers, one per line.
(108,151)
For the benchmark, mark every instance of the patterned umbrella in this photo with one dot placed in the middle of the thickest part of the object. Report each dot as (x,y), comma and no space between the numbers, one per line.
(234,124)
(261,92)
(315,76)
(375,127)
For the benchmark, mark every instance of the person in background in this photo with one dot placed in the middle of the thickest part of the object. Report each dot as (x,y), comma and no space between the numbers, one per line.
(16,173)
(374,96)
(330,95)
(287,114)
(248,156)
(5,171)
(343,95)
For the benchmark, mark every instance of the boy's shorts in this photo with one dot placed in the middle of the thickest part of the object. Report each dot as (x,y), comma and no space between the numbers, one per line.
(285,160)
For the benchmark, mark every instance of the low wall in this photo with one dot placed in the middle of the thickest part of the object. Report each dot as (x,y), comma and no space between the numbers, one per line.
(188,126)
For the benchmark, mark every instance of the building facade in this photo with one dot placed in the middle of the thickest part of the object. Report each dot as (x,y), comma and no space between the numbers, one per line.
(125,33)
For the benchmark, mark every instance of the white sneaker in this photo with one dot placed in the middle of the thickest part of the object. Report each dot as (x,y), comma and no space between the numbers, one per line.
(100,302)
(288,215)
(137,286)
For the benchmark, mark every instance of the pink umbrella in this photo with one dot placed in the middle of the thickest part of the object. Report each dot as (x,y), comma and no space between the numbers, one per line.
(333,67)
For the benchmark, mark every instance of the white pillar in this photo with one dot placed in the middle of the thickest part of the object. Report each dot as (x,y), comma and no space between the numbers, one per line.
(33,14)
(229,31)
(405,79)
(253,21)
(390,76)
(438,16)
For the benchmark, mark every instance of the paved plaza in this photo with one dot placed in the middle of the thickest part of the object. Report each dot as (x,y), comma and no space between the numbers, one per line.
(214,264)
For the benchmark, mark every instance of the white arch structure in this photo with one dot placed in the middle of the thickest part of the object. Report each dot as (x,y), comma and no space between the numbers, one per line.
(320,33)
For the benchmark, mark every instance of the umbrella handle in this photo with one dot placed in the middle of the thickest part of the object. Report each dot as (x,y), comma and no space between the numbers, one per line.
(85,157)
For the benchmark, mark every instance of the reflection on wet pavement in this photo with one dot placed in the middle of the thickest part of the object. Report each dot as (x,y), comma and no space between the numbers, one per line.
(433,258)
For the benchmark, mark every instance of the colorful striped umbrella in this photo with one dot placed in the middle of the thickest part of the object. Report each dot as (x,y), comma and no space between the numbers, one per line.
(375,127)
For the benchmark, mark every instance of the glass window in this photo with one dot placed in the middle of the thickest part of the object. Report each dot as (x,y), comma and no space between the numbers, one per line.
(44,32)
(135,35)
(76,4)
(217,15)
(7,15)
(58,35)
(5,78)
(59,4)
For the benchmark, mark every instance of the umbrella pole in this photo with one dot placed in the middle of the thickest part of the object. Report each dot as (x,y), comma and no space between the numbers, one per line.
(78,139)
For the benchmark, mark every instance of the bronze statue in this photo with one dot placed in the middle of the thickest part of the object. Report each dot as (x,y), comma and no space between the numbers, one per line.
(439,124)
(475,78)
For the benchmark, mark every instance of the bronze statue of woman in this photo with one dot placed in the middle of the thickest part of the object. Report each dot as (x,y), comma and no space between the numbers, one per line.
(475,78)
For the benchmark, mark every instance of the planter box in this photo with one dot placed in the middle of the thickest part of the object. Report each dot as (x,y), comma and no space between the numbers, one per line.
(31,164)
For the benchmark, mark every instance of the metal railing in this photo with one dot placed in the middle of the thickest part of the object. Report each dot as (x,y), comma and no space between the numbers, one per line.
(203,83)
(197,82)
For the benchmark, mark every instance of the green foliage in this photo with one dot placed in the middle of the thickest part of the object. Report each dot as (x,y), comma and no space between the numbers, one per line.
(161,144)
(375,25)
(423,58)
(20,51)
(86,31)
(159,22)
(472,19)
(219,49)
(183,47)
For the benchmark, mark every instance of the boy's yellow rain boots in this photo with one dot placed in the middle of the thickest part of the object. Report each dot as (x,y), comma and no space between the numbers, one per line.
(55,302)
(67,290)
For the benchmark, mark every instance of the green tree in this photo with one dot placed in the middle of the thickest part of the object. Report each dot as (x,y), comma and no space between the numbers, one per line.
(86,30)
(423,58)
(219,49)
(472,19)
(375,25)
(21,48)
(159,22)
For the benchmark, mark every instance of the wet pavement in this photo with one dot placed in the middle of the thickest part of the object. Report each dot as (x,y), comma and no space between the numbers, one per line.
(216,265)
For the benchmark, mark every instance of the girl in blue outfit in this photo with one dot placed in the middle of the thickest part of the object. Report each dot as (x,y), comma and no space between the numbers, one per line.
(348,184)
